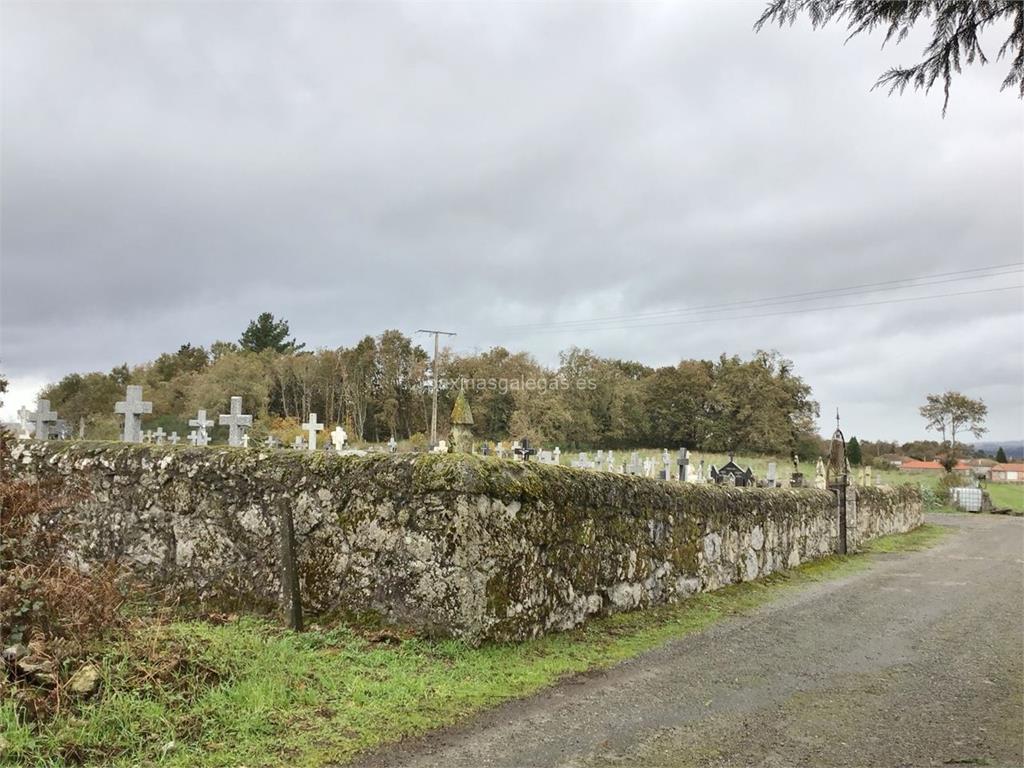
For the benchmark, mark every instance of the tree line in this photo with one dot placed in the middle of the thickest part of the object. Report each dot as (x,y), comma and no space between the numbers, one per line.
(382,385)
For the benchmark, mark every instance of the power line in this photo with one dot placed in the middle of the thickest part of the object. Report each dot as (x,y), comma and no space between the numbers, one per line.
(804,310)
(794,298)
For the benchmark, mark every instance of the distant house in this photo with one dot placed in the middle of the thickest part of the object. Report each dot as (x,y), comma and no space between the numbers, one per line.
(931,467)
(895,459)
(1007,473)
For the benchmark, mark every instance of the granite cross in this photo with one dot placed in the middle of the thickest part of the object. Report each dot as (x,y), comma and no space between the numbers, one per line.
(235,421)
(683,460)
(159,435)
(200,422)
(312,427)
(133,406)
(43,418)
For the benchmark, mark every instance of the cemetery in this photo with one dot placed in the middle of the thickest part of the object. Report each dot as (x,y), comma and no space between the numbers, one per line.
(503,544)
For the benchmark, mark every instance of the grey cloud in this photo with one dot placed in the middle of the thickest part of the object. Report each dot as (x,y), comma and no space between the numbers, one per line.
(170,170)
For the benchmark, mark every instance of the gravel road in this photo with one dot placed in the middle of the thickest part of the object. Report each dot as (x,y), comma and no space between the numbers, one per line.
(916,661)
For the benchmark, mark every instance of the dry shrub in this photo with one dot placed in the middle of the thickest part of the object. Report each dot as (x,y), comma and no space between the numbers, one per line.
(48,603)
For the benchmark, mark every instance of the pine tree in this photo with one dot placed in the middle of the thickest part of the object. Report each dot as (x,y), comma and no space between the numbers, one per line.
(853,451)
(266,332)
(1001,455)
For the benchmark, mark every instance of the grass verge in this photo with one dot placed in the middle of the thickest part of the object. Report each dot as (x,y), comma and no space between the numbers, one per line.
(247,693)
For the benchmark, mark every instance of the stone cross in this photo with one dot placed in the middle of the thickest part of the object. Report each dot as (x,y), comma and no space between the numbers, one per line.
(339,437)
(312,427)
(159,435)
(770,474)
(200,422)
(147,436)
(24,415)
(43,418)
(819,475)
(524,451)
(133,406)
(235,421)
(195,436)
(393,444)
(173,439)
(557,455)
(683,460)
(271,442)
(299,443)
(245,439)
(648,466)
(610,459)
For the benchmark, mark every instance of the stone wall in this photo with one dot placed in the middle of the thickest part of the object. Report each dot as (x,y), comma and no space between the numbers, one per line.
(478,548)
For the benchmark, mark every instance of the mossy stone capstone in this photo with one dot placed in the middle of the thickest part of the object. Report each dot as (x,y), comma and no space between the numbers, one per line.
(449,544)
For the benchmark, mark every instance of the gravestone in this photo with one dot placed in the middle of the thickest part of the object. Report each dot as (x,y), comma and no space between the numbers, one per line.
(583,461)
(770,476)
(666,465)
(44,420)
(796,480)
(298,443)
(147,436)
(485,449)
(312,427)
(271,442)
(159,435)
(235,421)
(558,455)
(441,447)
(132,407)
(26,429)
(599,459)
(200,422)
(339,437)
(610,461)
(819,475)
(174,439)
(731,474)
(245,439)
(393,444)
(524,451)
(545,457)
(635,467)
(683,460)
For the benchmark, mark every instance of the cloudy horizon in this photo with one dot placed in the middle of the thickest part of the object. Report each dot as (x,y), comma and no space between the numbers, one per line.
(644,181)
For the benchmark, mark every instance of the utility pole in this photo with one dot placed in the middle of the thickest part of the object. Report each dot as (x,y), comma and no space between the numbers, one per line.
(433,415)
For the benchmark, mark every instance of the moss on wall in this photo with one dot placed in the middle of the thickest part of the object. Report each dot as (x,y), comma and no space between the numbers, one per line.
(452,544)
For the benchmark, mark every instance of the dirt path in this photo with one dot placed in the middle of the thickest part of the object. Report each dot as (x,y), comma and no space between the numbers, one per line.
(915,661)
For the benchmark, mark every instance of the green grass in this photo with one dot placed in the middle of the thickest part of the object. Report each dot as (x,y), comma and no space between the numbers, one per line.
(1005,495)
(248,693)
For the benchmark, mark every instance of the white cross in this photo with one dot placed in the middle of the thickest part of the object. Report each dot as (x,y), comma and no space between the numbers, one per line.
(147,436)
(159,435)
(24,415)
(133,407)
(299,442)
(245,440)
(43,418)
(174,438)
(339,436)
(235,421)
(272,442)
(392,445)
(200,422)
(312,427)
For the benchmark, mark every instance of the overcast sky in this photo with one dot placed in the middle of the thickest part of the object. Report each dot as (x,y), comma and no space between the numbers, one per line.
(169,170)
